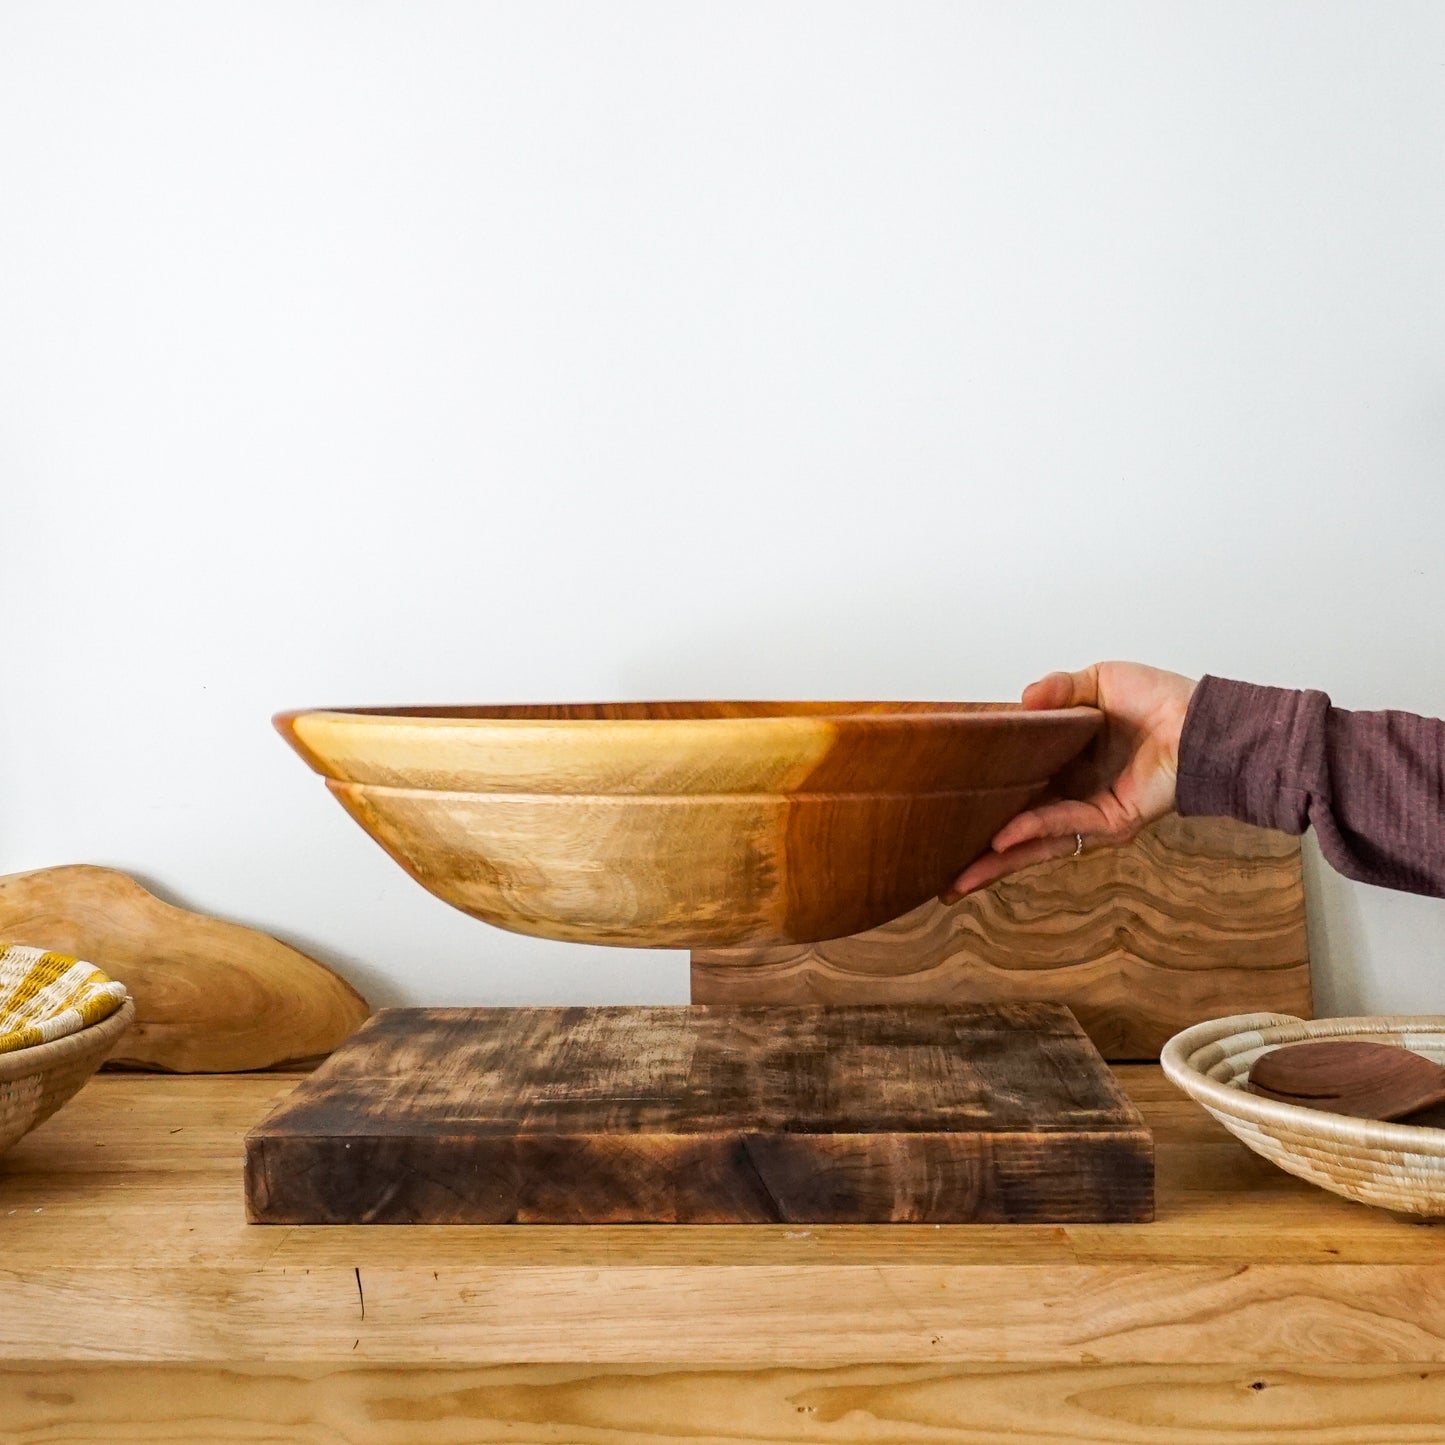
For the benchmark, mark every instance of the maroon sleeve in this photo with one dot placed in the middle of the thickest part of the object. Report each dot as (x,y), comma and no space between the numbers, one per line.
(1371,784)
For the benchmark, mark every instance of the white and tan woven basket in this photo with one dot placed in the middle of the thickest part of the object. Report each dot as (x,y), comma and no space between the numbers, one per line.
(1395,1166)
(36,1081)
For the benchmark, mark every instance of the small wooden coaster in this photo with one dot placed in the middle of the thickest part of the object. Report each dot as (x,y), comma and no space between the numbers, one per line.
(706,1115)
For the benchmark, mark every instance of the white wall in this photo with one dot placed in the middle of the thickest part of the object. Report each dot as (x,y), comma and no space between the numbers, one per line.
(420,352)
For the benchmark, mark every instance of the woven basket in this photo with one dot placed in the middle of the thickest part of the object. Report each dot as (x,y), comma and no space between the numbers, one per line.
(1395,1166)
(36,1081)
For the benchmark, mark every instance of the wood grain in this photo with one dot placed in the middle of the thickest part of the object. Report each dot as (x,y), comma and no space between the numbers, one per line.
(210,996)
(705,1116)
(687,823)
(1196,918)
(1358,1077)
(78,1404)
(1245,1267)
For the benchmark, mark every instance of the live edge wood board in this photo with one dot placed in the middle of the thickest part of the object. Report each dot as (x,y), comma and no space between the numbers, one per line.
(1197,918)
(865,1114)
(210,996)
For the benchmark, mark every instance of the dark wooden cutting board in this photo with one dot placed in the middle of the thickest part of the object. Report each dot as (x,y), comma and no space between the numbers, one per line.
(856,1114)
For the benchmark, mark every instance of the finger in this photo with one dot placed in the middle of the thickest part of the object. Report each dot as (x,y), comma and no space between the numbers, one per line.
(1098,814)
(1064,689)
(995,865)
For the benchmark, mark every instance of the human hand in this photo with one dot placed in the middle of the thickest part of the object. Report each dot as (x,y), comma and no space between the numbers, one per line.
(1124,781)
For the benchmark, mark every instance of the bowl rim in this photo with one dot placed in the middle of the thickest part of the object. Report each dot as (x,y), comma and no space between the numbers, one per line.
(908,712)
(41,1058)
(1178,1056)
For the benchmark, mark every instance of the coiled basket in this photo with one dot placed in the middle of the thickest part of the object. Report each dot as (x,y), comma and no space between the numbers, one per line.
(36,1081)
(1394,1166)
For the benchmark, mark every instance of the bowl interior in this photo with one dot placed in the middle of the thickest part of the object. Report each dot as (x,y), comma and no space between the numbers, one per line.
(675,710)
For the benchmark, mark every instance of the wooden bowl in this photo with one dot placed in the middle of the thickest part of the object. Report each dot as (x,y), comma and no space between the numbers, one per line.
(687,824)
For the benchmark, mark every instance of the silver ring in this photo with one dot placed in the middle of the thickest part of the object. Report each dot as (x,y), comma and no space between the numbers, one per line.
(1078,844)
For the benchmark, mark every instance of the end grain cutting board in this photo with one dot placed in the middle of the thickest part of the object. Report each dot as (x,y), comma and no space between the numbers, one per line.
(861,1114)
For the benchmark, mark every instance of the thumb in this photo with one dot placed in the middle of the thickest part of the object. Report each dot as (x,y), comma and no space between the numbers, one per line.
(1064,689)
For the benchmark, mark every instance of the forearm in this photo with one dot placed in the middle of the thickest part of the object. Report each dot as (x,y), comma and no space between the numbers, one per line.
(1371,784)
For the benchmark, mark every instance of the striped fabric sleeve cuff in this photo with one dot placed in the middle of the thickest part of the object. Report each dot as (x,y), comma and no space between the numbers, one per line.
(1252,753)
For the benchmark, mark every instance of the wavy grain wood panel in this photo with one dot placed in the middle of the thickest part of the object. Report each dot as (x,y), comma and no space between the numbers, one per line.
(1196,918)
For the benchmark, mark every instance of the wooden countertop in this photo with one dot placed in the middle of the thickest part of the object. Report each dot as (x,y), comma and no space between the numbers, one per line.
(130,1199)
(123,1241)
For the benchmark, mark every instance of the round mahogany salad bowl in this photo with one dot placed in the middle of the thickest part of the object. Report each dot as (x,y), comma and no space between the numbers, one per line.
(687,824)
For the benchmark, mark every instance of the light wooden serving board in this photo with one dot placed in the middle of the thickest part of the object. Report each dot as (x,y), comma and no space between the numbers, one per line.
(865,1114)
(1197,918)
(210,996)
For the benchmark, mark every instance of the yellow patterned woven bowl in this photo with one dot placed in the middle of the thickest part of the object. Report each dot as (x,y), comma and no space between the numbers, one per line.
(36,1081)
(1394,1166)
(59,1018)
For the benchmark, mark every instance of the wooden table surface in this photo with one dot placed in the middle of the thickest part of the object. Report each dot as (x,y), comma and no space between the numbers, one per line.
(137,1304)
